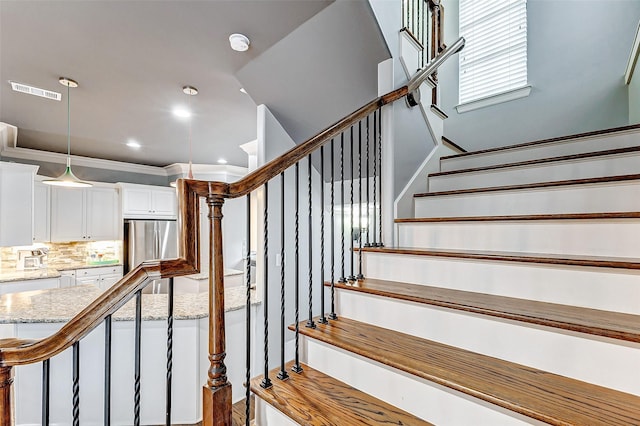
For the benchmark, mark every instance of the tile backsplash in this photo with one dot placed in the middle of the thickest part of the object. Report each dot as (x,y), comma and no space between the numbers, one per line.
(65,253)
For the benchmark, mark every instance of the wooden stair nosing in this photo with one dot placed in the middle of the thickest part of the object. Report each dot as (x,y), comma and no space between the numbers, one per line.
(314,398)
(550,140)
(613,325)
(586,181)
(558,216)
(569,260)
(534,393)
(540,161)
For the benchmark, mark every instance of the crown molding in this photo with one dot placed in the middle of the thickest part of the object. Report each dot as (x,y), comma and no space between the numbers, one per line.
(96,163)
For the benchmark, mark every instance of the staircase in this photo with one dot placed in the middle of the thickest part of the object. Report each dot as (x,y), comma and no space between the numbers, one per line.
(512,297)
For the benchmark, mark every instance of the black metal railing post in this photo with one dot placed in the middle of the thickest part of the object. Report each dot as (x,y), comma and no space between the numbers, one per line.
(360,276)
(343,278)
(333,315)
(169,373)
(310,323)
(266,381)
(322,319)
(45,392)
(297,368)
(352,277)
(247,377)
(136,361)
(282,374)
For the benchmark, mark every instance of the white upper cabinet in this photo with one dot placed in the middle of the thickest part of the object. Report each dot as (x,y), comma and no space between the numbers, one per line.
(16,204)
(148,202)
(41,212)
(84,214)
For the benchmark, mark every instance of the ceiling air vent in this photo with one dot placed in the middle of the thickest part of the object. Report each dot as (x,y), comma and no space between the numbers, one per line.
(30,90)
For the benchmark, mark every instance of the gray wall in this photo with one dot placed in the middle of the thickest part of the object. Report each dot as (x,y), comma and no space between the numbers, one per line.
(634,98)
(577,54)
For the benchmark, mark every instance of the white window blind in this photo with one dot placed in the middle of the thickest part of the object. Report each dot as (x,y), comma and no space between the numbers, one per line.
(494,59)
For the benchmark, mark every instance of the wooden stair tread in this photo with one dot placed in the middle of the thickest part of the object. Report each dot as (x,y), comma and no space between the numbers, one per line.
(534,393)
(313,398)
(613,325)
(557,216)
(545,141)
(560,158)
(606,179)
(541,258)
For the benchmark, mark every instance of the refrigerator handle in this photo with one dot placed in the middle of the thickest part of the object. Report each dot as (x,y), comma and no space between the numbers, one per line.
(156,238)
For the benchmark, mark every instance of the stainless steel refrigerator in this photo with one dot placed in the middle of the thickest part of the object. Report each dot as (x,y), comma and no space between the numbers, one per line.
(150,240)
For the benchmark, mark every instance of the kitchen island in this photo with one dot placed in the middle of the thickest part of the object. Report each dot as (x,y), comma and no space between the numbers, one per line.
(38,314)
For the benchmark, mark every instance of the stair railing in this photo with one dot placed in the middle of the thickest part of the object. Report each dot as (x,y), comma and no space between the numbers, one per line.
(356,137)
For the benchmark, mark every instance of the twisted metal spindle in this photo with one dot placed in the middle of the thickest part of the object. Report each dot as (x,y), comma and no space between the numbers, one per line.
(333,315)
(374,243)
(342,279)
(136,374)
(266,381)
(247,377)
(282,374)
(322,319)
(76,384)
(310,323)
(352,277)
(296,366)
(107,371)
(45,392)
(368,244)
(360,276)
(169,352)
(380,244)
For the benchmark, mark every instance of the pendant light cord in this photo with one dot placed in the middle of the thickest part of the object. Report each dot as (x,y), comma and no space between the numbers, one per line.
(68,125)
(190,175)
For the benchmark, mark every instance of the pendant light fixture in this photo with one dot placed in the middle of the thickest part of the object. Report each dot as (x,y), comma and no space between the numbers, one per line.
(67,178)
(190,91)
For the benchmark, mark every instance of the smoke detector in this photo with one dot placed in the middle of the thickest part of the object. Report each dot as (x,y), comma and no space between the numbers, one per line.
(36,91)
(239,42)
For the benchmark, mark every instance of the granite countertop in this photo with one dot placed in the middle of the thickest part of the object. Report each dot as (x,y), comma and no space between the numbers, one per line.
(51,271)
(61,304)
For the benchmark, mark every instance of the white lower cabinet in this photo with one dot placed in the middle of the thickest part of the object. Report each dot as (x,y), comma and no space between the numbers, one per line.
(103,277)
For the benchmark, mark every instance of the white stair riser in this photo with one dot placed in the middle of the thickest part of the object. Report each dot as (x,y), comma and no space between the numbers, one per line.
(556,351)
(429,401)
(588,198)
(598,288)
(617,238)
(267,415)
(548,150)
(585,168)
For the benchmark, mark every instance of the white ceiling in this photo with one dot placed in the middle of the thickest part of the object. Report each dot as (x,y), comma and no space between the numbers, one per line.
(131,59)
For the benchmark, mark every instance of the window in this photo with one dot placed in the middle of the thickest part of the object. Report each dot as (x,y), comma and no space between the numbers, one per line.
(494,60)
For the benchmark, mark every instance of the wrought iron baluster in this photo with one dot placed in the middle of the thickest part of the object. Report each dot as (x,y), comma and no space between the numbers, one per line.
(368,243)
(266,381)
(380,244)
(333,315)
(360,276)
(247,378)
(136,369)
(374,243)
(169,352)
(282,374)
(342,279)
(322,319)
(107,371)
(296,366)
(45,392)
(352,277)
(76,384)
(310,323)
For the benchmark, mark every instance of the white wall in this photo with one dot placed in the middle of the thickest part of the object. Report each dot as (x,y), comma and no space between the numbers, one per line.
(577,54)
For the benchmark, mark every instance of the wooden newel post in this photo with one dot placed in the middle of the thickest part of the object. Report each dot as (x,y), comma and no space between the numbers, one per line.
(216,408)
(6,390)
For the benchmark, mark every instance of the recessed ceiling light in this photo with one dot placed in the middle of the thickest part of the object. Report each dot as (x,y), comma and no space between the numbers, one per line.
(181,112)
(243,91)
(222,161)
(239,42)
(133,144)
